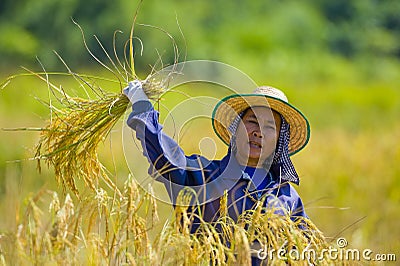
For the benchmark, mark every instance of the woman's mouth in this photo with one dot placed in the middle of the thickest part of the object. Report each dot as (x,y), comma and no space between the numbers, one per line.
(254,144)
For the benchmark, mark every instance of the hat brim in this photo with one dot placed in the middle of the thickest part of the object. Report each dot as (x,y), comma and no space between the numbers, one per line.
(229,108)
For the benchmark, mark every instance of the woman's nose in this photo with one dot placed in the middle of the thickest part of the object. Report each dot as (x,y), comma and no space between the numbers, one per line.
(257,134)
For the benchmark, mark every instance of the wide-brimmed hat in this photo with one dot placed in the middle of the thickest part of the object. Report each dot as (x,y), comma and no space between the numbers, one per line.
(231,106)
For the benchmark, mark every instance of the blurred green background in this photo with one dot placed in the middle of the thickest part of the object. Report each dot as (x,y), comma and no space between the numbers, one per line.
(338,61)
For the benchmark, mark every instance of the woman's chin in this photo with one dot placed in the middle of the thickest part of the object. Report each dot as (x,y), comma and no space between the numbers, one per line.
(255,153)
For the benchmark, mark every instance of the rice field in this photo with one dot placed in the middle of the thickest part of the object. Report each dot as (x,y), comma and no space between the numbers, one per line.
(350,184)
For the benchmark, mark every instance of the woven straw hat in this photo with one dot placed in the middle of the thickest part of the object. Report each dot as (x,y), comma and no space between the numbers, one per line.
(229,108)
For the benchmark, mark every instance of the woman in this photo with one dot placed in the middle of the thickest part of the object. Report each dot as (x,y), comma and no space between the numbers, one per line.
(261,130)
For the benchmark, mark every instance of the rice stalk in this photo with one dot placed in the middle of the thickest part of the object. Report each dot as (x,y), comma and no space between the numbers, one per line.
(152,205)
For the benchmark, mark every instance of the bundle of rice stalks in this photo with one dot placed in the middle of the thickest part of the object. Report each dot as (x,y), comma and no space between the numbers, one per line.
(71,138)
(69,141)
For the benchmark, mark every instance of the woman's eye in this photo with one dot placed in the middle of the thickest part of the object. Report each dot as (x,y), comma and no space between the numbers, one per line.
(270,128)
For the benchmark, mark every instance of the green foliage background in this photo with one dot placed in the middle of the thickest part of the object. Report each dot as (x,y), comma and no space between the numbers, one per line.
(338,61)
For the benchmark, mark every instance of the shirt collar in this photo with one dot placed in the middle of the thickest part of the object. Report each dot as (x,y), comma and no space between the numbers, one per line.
(231,169)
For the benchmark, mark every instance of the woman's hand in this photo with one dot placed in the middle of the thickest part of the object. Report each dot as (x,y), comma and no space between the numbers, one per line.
(135,92)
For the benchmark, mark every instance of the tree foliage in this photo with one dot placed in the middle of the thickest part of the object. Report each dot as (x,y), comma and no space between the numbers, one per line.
(212,29)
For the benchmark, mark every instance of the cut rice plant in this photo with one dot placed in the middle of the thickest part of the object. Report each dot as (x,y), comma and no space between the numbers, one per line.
(70,141)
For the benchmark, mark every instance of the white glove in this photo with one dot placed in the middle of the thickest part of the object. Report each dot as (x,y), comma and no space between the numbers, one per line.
(135,92)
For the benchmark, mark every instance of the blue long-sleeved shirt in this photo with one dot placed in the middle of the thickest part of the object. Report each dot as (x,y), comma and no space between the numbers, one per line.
(209,178)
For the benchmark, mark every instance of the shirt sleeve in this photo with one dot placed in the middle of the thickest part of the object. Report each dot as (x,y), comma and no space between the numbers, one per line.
(162,151)
(168,163)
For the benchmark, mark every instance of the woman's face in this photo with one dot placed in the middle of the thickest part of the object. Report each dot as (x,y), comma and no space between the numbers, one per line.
(256,136)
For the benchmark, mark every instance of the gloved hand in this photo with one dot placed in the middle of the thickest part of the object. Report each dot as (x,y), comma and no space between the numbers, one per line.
(135,92)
